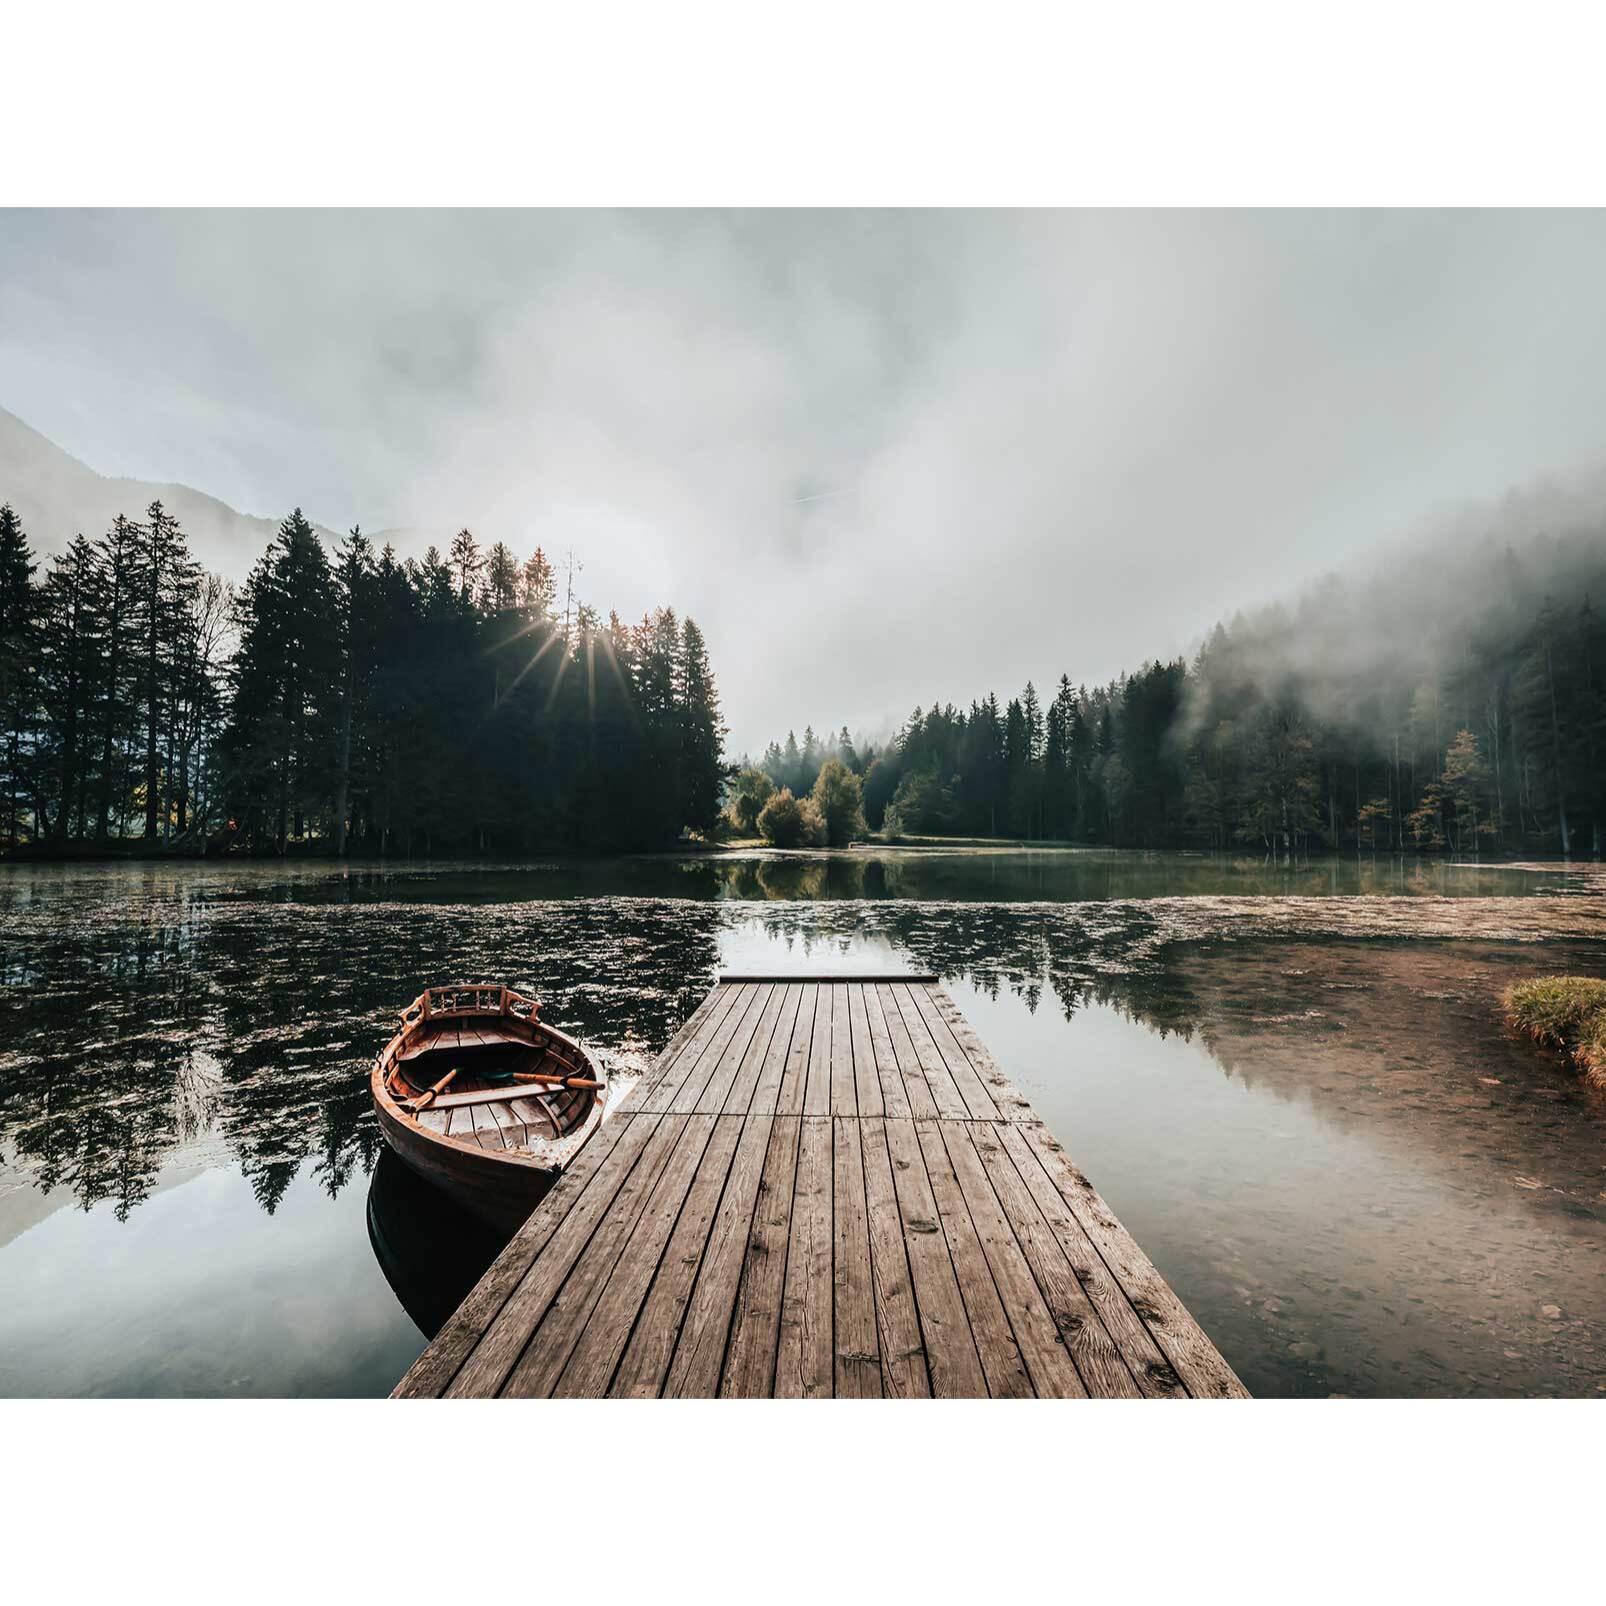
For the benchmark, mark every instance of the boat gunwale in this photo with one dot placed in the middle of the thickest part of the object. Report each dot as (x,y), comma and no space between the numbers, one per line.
(417,1016)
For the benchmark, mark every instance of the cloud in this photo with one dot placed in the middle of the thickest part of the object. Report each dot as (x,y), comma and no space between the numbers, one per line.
(882,457)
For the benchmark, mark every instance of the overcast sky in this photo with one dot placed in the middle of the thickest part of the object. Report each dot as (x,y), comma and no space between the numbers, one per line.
(881,457)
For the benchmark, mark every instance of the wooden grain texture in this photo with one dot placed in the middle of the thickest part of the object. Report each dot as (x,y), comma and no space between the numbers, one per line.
(972,1089)
(827,1188)
(917,1095)
(693,1029)
(756,1323)
(700,1351)
(771,1073)
(735,1096)
(989,1322)
(1202,1368)
(903,1356)
(1152,1373)
(1048,1362)
(704,1086)
(700,1054)
(866,1075)
(645,1362)
(604,1332)
(465,1327)
(804,1362)
(844,1093)
(1010,1103)
(858,1353)
(569,1313)
(894,1096)
(795,1070)
(1097,1358)
(951,1357)
(817,1089)
(929,1066)
(486,1368)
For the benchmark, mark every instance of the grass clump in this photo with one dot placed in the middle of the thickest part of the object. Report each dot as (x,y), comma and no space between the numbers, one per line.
(1565,1013)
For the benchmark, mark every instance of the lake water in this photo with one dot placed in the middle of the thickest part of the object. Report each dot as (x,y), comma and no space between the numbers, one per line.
(1291,1083)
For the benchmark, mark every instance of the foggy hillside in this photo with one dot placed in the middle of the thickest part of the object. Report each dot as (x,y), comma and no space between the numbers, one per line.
(57,497)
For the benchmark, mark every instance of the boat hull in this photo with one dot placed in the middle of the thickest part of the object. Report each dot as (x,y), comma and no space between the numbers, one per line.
(498,1171)
(501,1189)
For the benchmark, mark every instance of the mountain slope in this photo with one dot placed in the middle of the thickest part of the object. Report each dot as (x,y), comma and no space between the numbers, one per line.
(56,497)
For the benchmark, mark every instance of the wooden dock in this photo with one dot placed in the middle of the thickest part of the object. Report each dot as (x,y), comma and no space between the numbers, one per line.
(823,1187)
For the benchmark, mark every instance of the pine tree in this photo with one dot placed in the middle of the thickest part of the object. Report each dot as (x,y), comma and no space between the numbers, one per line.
(70,645)
(19,622)
(702,735)
(164,575)
(121,558)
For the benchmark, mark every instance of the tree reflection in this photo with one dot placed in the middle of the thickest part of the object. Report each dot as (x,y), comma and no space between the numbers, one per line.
(161,1016)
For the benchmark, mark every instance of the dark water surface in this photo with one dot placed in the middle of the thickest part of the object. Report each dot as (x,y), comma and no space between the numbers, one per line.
(1292,1085)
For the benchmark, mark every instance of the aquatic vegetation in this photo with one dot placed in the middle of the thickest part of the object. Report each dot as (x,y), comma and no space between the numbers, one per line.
(1565,1013)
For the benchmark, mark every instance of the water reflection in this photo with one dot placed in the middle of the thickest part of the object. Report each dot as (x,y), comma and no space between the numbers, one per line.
(431,1252)
(1245,1076)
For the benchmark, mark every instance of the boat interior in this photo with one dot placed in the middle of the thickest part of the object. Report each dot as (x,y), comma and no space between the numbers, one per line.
(496,1096)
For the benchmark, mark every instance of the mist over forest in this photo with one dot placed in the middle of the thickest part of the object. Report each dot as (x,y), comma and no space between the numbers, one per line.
(1453,698)
(1450,698)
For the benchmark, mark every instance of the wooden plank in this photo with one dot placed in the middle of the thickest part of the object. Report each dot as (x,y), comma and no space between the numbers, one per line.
(436,1367)
(749,1371)
(978,1100)
(1011,1103)
(804,1366)
(706,1083)
(712,1036)
(917,1094)
(894,1097)
(731,1091)
(951,1356)
(844,1094)
(704,1018)
(1202,1368)
(866,1075)
(933,1068)
(817,1091)
(1048,1362)
(781,977)
(858,1352)
(485,1369)
(535,1115)
(847,1251)
(513,1134)
(607,1328)
(1076,1284)
(645,1363)
(989,1325)
(434,1120)
(903,1355)
(486,1127)
(700,1352)
(554,1337)
(795,1074)
(767,1088)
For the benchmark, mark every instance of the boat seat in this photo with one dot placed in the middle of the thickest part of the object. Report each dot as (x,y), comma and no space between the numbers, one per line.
(493,1095)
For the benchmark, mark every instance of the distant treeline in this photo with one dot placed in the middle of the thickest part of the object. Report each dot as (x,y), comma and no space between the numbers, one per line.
(1457,707)
(363,704)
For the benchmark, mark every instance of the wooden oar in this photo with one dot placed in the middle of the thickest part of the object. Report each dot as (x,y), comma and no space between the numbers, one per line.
(426,1099)
(555,1081)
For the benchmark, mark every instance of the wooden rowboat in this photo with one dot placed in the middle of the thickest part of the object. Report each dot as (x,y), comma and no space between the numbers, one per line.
(482,1098)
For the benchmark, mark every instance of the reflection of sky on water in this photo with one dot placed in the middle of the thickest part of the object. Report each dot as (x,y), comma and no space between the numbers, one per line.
(1327,1145)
